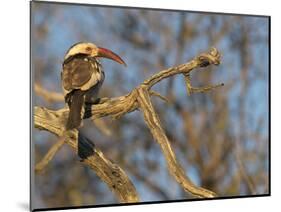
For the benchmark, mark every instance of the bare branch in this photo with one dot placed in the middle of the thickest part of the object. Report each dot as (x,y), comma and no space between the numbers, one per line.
(49,156)
(110,173)
(190,89)
(102,127)
(203,60)
(49,96)
(153,123)
(138,98)
(154,93)
(242,169)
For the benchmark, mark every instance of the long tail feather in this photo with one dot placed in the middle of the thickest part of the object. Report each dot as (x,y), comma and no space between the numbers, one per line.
(76,112)
(85,146)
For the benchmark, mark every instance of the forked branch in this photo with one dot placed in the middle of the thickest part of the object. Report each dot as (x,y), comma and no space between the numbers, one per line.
(139,98)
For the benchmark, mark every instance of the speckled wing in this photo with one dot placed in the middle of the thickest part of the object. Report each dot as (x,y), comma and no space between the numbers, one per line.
(77,73)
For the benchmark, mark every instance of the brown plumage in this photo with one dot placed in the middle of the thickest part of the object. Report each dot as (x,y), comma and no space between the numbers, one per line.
(82,76)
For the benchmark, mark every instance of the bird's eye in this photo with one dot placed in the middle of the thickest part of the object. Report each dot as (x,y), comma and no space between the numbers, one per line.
(88,49)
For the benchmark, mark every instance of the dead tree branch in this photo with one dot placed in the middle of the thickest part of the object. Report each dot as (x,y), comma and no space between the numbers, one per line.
(110,173)
(138,98)
(49,96)
(49,156)
(152,120)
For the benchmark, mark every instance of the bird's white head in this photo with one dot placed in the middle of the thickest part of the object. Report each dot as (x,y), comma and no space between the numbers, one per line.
(92,50)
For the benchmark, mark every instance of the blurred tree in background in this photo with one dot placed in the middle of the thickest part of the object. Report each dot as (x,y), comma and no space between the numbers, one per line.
(221,138)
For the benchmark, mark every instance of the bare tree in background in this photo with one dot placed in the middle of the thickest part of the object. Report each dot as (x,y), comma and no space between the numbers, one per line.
(219,137)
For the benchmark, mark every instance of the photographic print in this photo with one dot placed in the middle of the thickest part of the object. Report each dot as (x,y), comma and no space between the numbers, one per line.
(140,105)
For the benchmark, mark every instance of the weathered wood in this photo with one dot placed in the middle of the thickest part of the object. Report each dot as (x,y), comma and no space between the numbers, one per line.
(153,123)
(109,172)
(139,98)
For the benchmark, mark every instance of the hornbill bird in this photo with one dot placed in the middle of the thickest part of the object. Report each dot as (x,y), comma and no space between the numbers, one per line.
(82,76)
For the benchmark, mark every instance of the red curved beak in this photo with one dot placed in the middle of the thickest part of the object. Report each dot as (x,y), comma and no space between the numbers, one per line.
(103,52)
